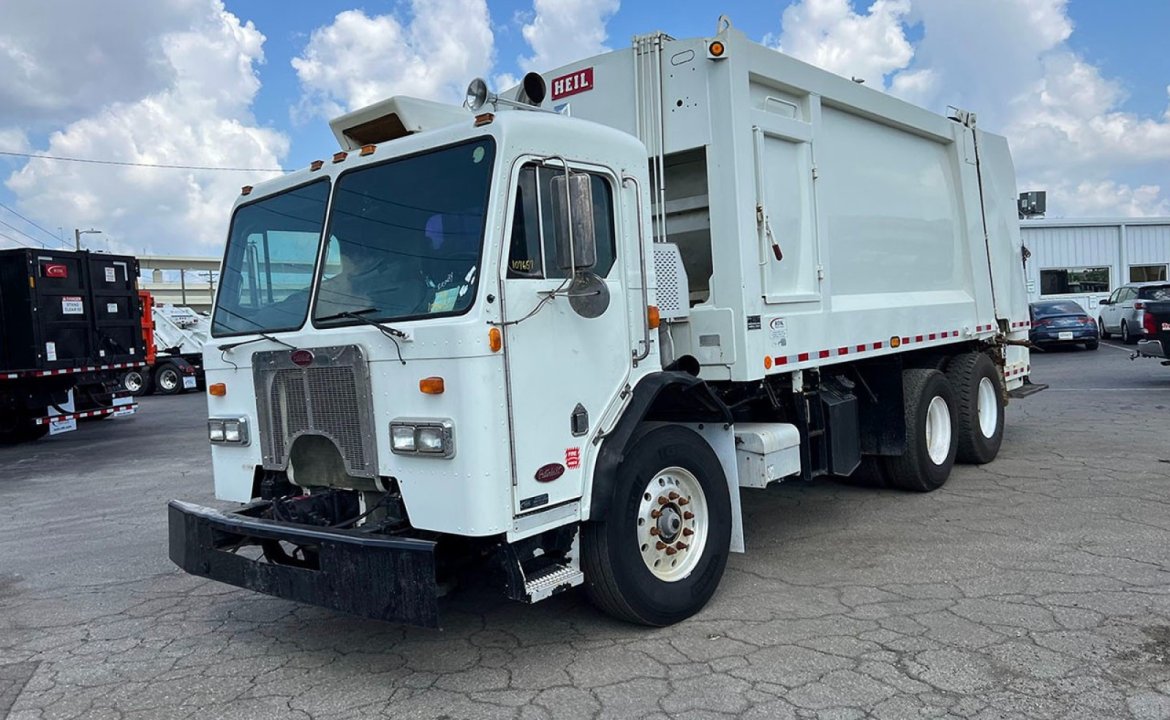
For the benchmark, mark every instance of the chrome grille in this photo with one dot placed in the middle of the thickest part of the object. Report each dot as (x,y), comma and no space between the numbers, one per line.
(330,397)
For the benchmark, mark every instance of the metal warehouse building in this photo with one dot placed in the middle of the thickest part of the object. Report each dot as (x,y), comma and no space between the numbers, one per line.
(1085,260)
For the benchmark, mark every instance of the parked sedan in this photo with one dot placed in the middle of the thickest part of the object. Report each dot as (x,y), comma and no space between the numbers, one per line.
(1122,312)
(1062,322)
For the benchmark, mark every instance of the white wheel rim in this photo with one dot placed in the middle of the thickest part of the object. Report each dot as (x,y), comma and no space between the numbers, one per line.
(988,408)
(133,382)
(168,380)
(938,430)
(673,524)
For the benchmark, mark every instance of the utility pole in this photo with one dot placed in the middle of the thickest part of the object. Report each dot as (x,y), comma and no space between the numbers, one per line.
(77,233)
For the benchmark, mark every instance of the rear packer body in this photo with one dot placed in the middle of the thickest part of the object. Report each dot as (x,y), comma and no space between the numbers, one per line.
(555,335)
(69,328)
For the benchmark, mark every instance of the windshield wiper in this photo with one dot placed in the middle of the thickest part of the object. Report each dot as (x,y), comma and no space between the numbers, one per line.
(360,315)
(263,336)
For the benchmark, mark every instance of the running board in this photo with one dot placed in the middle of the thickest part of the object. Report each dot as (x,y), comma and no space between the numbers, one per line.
(1027,389)
(552,580)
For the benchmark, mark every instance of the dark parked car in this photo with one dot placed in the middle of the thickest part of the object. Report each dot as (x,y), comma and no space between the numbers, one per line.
(1062,322)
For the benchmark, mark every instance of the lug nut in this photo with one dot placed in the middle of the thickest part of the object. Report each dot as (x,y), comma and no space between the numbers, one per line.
(687,532)
(662,500)
(654,531)
(670,551)
(660,545)
(655,514)
(688,515)
(682,501)
(674,496)
(681,546)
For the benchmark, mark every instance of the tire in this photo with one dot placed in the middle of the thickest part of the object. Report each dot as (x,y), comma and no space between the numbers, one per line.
(1092,345)
(918,469)
(138,382)
(617,553)
(1101,328)
(167,379)
(1126,338)
(979,407)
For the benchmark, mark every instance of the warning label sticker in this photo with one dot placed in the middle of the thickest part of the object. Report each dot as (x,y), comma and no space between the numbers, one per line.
(72,305)
(778,332)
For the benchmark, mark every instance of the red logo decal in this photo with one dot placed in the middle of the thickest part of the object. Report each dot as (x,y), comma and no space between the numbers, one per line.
(573,458)
(55,270)
(301,358)
(550,472)
(573,83)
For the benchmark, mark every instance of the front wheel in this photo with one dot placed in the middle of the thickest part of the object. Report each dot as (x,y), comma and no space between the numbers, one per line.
(931,442)
(660,553)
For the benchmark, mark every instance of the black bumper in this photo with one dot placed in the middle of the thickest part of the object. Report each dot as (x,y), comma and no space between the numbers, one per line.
(378,577)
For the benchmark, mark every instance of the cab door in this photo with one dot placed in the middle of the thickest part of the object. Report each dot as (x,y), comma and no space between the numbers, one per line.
(564,368)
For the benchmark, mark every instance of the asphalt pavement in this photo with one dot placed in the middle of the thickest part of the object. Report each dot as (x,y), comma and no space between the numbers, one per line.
(1033,587)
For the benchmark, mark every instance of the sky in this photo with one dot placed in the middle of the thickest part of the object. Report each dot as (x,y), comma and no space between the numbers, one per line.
(1077,86)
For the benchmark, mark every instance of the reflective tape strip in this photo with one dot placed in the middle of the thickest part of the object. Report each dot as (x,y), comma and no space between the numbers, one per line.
(85,414)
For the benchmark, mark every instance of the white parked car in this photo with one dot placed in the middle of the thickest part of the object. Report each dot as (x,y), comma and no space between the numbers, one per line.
(1122,312)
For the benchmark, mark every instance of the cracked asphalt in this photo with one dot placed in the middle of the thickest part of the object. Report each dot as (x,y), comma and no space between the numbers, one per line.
(1034,587)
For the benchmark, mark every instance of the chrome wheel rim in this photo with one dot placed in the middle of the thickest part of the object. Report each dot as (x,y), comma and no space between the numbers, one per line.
(673,524)
(133,381)
(938,430)
(168,380)
(988,408)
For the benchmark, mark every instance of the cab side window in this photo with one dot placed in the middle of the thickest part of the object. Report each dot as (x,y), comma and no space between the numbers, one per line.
(532,252)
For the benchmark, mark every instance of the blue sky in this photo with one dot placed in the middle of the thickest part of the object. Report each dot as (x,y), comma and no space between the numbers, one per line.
(1078,86)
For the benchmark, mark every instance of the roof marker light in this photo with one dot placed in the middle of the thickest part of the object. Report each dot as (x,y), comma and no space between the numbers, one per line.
(368,149)
(246,190)
(316,165)
(484,119)
(339,156)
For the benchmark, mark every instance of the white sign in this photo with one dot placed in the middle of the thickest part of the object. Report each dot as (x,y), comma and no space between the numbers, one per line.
(128,400)
(188,382)
(51,351)
(110,276)
(72,305)
(778,332)
(112,308)
(56,427)
(123,412)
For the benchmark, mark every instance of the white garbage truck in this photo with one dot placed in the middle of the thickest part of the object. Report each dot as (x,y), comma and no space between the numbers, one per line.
(555,332)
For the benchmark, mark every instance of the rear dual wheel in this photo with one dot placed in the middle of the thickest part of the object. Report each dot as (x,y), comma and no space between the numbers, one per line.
(931,441)
(660,553)
(978,387)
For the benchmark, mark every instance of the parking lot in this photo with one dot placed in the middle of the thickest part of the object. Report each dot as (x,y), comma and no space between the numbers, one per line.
(1034,587)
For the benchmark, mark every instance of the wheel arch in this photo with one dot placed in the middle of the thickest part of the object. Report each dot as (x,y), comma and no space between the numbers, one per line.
(664,397)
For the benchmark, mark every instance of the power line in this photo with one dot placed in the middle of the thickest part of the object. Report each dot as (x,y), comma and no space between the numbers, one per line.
(165,166)
(12,239)
(55,237)
(22,232)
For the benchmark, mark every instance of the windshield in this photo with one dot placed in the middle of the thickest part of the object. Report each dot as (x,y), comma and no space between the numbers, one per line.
(268,270)
(405,236)
(1065,307)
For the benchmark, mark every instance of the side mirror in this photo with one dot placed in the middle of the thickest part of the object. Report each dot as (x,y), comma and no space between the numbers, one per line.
(1103,302)
(572,200)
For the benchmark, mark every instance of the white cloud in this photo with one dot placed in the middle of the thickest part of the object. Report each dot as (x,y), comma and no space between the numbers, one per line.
(564,31)
(13,140)
(1010,61)
(357,59)
(829,34)
(200,116)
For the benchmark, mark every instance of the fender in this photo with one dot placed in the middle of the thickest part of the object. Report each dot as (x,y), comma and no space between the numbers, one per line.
(662,396)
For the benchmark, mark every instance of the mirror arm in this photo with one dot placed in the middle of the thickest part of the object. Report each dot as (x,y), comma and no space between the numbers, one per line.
(641,355)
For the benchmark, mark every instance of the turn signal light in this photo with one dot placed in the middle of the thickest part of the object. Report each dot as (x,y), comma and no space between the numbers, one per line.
(484,119)
(495,339)
(653,317)
(217,389)
(431,385)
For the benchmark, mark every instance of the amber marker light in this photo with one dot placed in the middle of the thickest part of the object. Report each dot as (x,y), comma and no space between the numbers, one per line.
(716,49)
(895,341)
(431,385)
(246,190)
(316,165)
(338,157)
(217,389)
(653,317)
(368,150)
(495,339)
(767,362)
(484,119)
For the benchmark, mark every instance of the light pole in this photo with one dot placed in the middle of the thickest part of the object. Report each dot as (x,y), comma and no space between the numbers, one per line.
(78,233)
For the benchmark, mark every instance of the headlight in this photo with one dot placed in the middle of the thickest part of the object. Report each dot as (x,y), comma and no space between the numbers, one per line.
(434,438)
(402,438)
(228,430)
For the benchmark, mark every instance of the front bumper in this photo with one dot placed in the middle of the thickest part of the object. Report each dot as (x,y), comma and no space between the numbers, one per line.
(1151,348)
(379,577)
